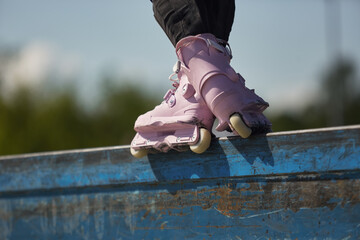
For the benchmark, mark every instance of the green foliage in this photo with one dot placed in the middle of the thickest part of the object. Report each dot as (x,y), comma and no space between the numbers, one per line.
(47,120)
(30,122)
(338,102)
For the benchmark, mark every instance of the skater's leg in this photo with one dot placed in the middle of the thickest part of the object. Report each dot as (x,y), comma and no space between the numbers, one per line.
(186,116)
(182,18)
(181,119)
(224,92)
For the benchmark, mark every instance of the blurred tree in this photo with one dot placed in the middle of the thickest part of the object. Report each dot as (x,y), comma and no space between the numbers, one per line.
(338,102)
(30,122)
(340,92)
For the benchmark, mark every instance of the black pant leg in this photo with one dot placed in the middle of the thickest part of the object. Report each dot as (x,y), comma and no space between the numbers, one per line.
(182,18)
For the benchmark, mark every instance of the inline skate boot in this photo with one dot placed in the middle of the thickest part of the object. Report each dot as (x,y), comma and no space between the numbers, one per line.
(180,121)
(205,61)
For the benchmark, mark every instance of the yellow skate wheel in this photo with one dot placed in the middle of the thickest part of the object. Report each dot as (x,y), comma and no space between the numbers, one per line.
(203,143)
(240,127)
(138,153)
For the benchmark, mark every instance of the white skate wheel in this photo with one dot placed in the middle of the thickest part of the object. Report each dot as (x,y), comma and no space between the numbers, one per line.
(203,143)
(240,127)
(138,153)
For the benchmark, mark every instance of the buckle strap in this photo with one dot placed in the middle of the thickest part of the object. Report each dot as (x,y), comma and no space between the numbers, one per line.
(210,40)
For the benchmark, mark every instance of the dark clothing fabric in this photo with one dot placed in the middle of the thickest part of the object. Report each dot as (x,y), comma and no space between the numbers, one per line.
(182,18)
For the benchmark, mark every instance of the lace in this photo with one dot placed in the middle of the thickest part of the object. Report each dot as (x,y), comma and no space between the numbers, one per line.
(174,76)
(175,81)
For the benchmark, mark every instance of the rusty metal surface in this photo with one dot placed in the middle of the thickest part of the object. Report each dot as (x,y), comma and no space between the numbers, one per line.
(300,185)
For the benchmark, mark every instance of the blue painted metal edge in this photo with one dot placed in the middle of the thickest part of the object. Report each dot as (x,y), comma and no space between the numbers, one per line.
(327,150)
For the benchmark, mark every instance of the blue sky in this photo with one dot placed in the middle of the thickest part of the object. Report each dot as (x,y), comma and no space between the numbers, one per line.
(279,46)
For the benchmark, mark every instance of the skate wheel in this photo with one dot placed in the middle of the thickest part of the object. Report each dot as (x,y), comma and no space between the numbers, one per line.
(240,127)
(138,153)
(203,143)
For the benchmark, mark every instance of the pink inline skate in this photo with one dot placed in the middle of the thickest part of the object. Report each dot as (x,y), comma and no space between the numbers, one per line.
(205,60)
(178,122)
(206,85)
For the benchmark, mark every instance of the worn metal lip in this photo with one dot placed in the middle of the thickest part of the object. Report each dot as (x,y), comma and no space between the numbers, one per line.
(304,131)
(109,148)
(52,153)
(327,129)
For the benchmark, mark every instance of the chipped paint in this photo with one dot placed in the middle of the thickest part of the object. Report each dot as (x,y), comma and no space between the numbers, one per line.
(284,186)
